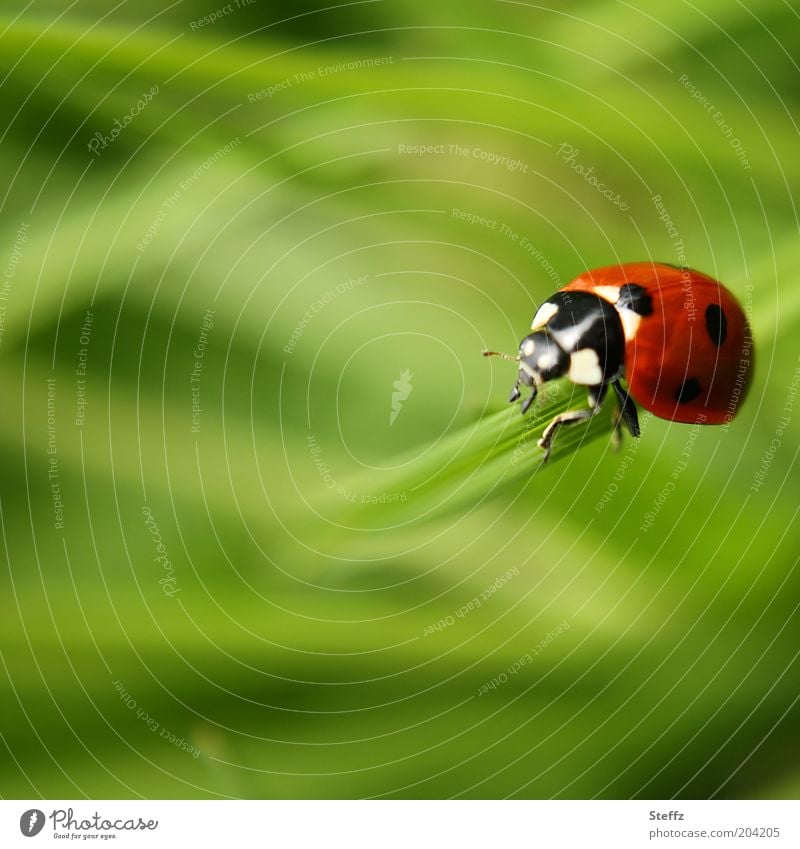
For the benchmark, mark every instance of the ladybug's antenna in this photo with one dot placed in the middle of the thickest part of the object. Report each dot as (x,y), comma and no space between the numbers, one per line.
(500,354)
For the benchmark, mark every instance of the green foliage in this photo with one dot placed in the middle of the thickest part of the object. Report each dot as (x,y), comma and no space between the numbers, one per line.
(354,480)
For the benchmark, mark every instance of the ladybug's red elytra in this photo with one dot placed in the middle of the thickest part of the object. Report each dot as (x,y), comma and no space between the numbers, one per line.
(678,338)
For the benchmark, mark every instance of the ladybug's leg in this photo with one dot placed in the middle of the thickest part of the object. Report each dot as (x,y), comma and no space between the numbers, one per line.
(515,393)
(596,395)
(616,436)
(627,409)
(527,402)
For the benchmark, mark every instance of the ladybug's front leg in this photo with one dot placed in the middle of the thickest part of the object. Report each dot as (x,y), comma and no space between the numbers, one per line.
(596,395)
(516,394)
(627,409)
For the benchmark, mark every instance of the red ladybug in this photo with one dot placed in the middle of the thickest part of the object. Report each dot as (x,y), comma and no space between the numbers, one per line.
(677,337)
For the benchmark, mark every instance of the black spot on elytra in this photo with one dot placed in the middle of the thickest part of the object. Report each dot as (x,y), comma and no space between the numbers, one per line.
(634,297)
(716,324)
(687,391)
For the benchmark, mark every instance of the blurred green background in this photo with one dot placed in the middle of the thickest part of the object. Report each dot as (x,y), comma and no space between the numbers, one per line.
(323,601)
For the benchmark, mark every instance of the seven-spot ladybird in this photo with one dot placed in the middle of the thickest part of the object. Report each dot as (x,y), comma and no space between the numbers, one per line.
(677,337)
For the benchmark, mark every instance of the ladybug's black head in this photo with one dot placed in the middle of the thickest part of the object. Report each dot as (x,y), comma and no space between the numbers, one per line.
(540,359)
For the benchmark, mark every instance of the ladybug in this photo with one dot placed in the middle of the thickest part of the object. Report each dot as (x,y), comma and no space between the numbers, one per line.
(678,338)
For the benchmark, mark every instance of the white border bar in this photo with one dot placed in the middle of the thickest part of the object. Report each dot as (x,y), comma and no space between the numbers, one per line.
(404,824)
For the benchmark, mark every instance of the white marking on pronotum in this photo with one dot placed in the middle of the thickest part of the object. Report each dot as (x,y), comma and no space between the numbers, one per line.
(630,322)
(527,348)
(584,368)
(609,293)
(545,312)
(570,337)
